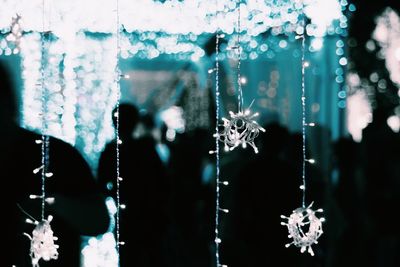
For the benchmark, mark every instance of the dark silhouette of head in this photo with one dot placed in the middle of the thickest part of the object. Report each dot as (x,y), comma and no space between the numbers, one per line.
(8,102)
(128,118)
(147,120)
(209,45)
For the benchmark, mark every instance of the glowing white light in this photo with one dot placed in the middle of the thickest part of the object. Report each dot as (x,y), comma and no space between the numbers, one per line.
(397,54)
(394,123)
(170,135)
(240,129)
(100,251)
(388,37)
(317,43)
(359,113)
(322,13)
(343,61)
(42,242)
(173,118)
(189,16)
(304,228)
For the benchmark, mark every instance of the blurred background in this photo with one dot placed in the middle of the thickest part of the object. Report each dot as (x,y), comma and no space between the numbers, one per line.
(167,57)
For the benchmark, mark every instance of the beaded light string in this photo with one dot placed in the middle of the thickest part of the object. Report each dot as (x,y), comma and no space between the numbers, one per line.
(218,182)
(240,128)
(303,224)
(118,141)
(42,239)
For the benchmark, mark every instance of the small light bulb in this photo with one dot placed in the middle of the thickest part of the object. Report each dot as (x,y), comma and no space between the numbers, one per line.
(35,171)
(312,161)
(50,200)
(224,210)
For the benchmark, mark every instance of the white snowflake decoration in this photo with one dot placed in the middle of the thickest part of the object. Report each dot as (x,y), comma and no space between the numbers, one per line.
(42,242)
(240,129)
(304,227)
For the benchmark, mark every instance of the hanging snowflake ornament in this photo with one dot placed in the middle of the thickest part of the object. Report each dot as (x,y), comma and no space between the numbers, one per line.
(240,129)
(42,242)
(304,228)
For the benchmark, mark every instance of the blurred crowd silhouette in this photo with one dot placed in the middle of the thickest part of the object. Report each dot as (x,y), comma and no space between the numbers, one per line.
(170,215)
(169,197)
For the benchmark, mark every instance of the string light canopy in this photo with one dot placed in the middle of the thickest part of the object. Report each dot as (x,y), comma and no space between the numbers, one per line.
(146,35)
(81,84)
(189,16)
(303,224)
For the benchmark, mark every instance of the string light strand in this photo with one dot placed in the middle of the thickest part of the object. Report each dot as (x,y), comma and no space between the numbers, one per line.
(304,226)
(118,141)
(217,154)
(303,113)
(44,142)
(239,52)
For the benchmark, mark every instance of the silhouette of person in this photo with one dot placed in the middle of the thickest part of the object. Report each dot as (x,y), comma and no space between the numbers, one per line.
(79,207)
(144,191)
(381,168)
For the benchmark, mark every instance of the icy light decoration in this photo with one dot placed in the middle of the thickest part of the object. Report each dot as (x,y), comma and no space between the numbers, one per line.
(240,129)
(304,228)
(42,242)
(184,17)
(80,82)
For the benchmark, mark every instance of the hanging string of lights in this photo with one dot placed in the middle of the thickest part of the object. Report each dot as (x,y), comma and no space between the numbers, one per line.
(240,128)
(303,224)
(42,239)
(217,155)
(118,141)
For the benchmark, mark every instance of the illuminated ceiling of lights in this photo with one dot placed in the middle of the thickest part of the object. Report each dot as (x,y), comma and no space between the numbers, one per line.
(64,17)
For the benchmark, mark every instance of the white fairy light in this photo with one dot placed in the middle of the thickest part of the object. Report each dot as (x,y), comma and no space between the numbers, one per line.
(42,242)
(240,129)
(298,222)
(303,225)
